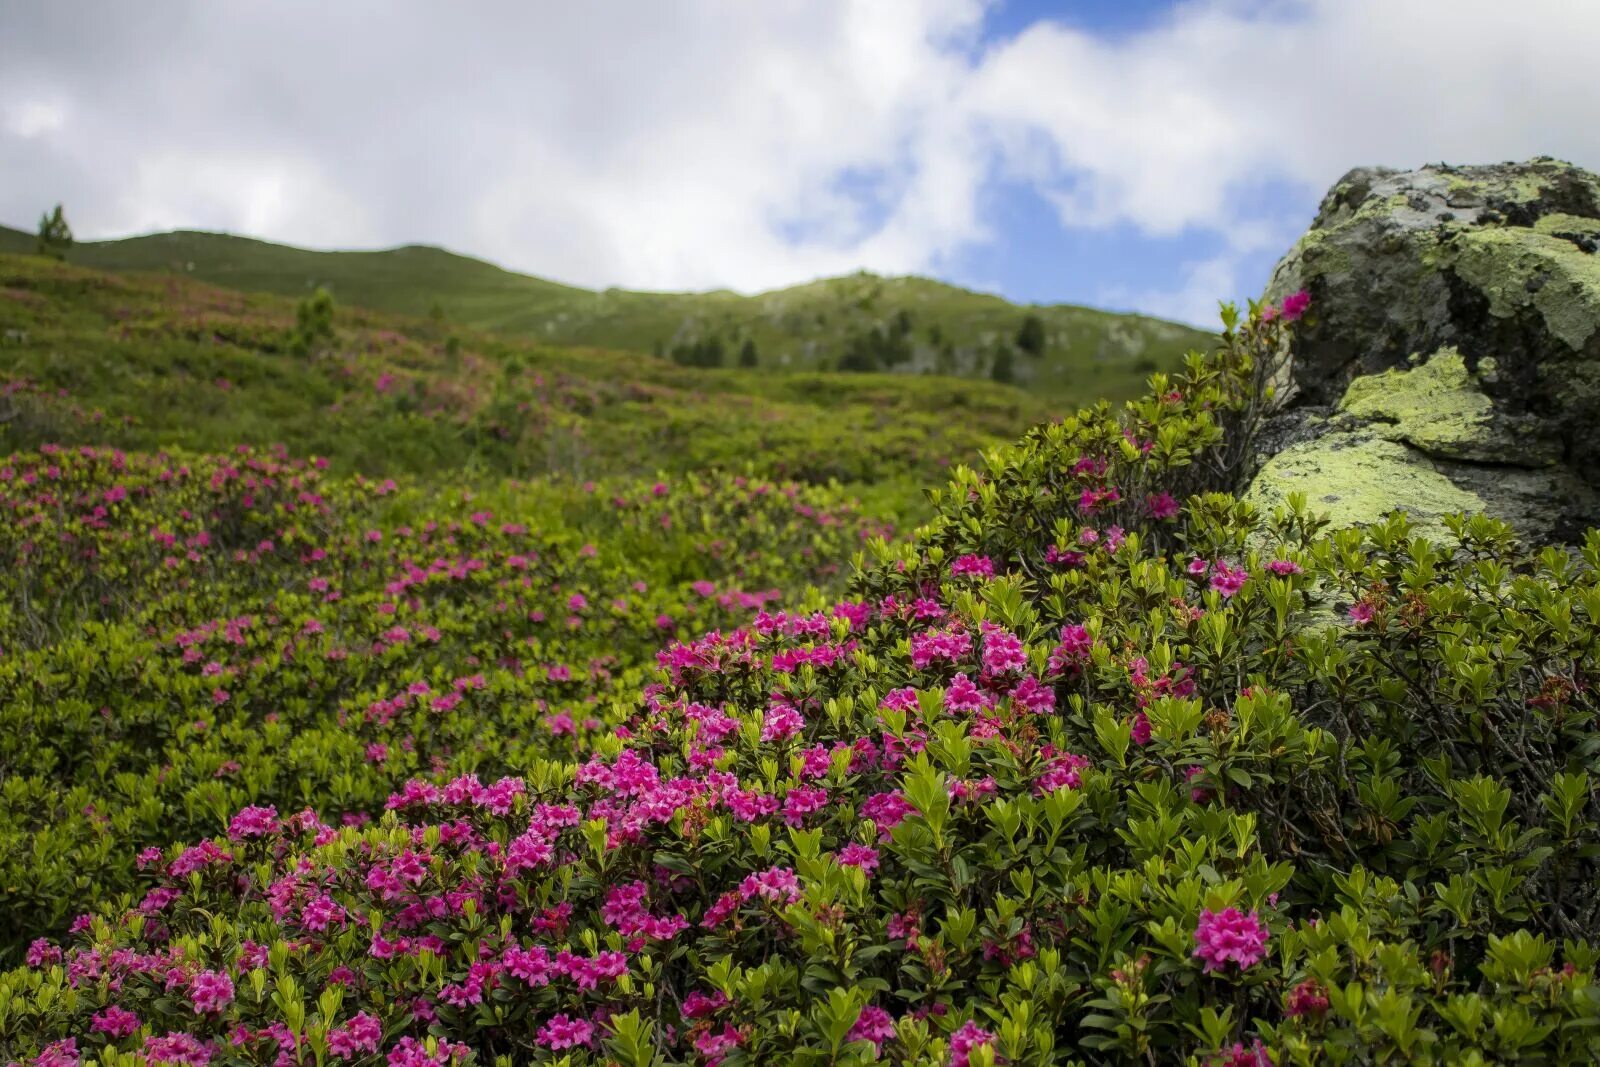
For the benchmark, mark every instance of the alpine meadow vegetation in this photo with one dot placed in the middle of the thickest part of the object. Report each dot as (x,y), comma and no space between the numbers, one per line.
(1100,764)
(910,325)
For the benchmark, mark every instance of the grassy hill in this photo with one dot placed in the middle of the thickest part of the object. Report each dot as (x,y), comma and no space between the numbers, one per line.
(145,361)
(905,324)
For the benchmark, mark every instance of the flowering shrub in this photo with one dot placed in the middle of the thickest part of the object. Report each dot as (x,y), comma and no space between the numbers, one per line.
(184,636)
(1040,789)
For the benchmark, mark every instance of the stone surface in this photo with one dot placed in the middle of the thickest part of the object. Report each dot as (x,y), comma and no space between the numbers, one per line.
(1451,358)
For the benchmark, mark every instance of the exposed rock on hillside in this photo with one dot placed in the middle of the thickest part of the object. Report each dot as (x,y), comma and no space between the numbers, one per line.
(1452,358)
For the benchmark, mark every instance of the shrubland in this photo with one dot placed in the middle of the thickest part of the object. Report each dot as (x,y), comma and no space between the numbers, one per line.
(1099,765)
(149,362)
(185,635)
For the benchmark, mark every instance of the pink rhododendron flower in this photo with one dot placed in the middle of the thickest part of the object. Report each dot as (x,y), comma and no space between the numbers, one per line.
(115,1022)
(715,1045)
(783,720)
(964,1040)
(210,992)
(1033,696)
(1141,728)
(253,822)
(41,953)
(856,854)
(1073,651)
(1230,936)
(963,695)
(1228,580)
(698,1005)
(1003,652)
(1295,305)
(562,1031)
(873,1024)
(63,1053)
(982,566)
(887,810)
(1256,1055)
(1162,506)
(801,801)
(1063,771)
(361,1034)
(949,645)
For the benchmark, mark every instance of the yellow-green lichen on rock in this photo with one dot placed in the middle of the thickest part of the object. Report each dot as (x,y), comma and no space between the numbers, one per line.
(1513,267)
(1437,406)
(1355,479)
(1559,224)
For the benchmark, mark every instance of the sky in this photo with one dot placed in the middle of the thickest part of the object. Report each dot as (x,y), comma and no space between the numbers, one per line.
(1148,155)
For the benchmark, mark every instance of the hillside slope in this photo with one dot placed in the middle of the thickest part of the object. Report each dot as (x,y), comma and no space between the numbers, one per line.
(907,324)
(146,361)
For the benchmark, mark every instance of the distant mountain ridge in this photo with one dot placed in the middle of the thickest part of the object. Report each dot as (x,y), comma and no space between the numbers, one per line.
(860,321)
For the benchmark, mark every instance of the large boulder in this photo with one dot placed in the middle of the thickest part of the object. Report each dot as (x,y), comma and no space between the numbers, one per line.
(1451,359)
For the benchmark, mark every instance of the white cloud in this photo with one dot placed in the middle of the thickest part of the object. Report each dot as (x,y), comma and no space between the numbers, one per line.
(254,194)
(33,118)
(712,142)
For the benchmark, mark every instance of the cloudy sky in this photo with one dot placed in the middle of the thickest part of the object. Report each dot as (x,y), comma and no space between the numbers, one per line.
(1144,154)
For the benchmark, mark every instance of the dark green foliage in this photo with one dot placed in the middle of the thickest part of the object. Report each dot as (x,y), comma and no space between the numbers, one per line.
(55,236)
(878,349)
(748,356)
(313,325)
(706,352)
(1031,335)
(1000,367)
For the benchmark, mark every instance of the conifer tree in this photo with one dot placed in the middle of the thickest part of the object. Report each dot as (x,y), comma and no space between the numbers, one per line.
(55,236)
(1031,335)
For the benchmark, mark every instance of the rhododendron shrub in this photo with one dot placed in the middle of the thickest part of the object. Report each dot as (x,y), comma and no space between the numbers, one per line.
(1078,804)
(182,636)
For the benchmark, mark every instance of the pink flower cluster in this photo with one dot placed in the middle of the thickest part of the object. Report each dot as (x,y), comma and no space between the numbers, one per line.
(1062,771)
(210,992)
(952,646)
(625,911)
(1230,936)
(978,566)
(1072,652)
(1227,579)
(969,1037)
(778,885)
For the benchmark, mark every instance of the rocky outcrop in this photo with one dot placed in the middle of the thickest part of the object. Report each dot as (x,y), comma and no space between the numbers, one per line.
(1451,359)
